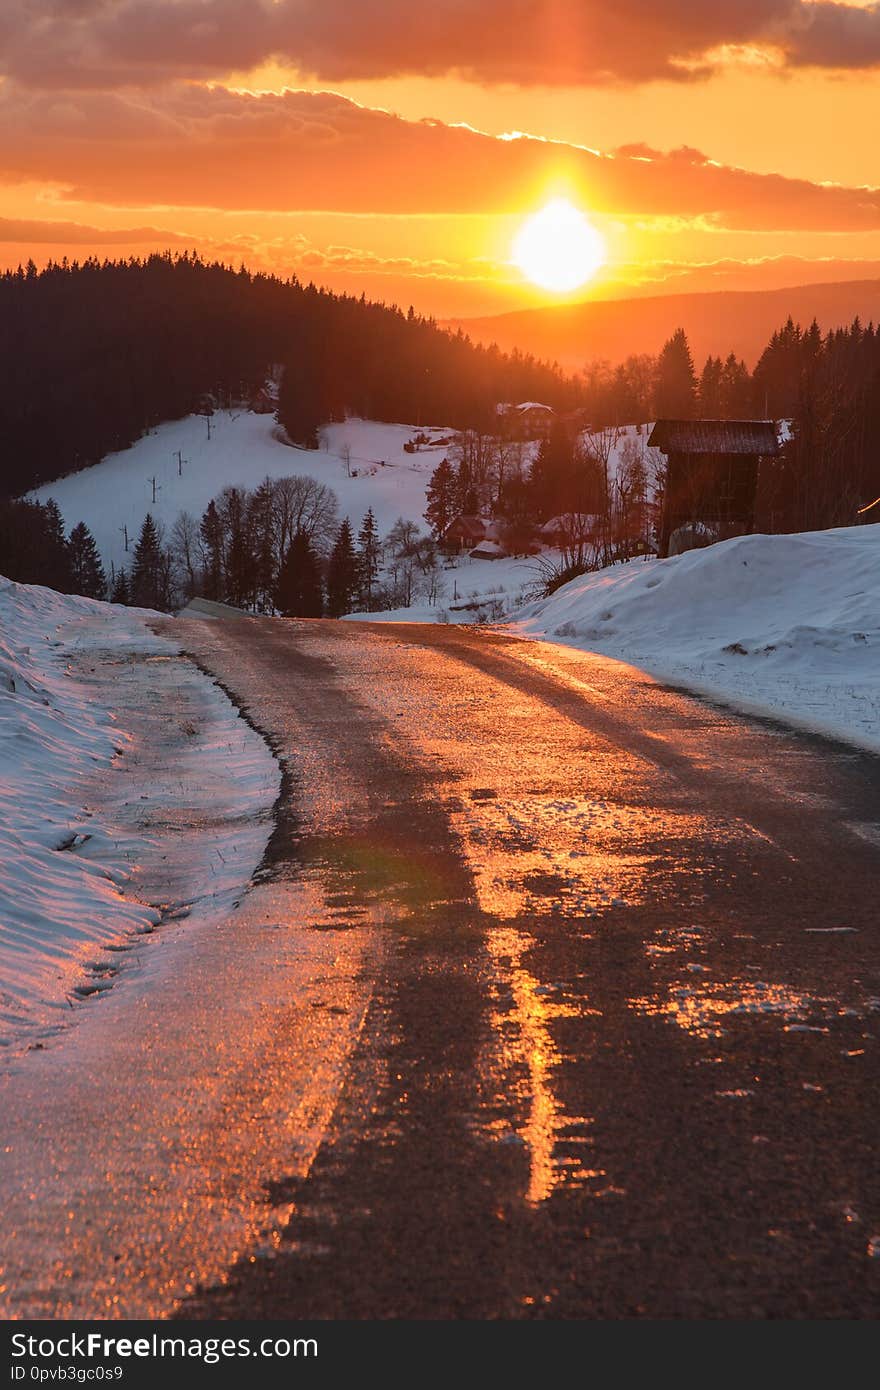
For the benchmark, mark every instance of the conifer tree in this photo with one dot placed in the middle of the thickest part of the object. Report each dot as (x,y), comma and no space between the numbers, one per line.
(675,387)
(55,566)
(299,592)
(466,500)
(211,532)
(710,388)
(86,571)
(441,499)
(121,592)
(368,557)
(342,573)
(148,582)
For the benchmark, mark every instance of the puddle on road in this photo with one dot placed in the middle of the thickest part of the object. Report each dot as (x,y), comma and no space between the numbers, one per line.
(703,1008)
(538,855)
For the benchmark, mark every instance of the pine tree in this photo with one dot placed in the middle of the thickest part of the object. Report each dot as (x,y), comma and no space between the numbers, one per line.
(55,560)
(551,478)
(148,587)
(467,502)
(300,402)
(121,592)
(342,573)
(735,389)
(675,387)
(441,498)
(211,532)
(368,557)
(710,389)
(298,592)
(86,571)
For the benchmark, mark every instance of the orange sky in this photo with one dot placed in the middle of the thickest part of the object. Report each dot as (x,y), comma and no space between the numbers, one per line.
(714,143)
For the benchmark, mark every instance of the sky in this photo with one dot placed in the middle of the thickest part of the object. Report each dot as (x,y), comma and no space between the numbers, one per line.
(396,149)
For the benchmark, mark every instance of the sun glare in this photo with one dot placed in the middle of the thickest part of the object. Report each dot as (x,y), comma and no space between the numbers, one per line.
(558,248)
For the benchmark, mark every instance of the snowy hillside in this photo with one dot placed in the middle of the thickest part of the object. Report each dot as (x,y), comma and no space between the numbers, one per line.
(102,794)
(787,624)
(362,461)
(242,451)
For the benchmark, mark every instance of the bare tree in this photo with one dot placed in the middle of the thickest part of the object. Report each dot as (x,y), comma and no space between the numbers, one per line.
(304,504)
(599,445)
(185,546)
(475,454)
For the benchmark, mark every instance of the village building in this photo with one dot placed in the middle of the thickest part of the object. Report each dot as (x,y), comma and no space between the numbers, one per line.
(526,419)
(464,533)
(562,531)
(712,475)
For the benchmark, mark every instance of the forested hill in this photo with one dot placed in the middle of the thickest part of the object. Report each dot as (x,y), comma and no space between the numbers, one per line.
(93,355)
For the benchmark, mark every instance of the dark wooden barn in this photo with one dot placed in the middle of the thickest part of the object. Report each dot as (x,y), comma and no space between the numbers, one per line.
(712,473)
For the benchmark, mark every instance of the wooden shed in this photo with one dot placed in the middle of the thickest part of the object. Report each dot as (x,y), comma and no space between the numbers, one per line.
(712,473)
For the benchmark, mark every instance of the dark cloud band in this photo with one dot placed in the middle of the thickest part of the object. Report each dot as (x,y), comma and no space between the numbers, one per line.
(557,42)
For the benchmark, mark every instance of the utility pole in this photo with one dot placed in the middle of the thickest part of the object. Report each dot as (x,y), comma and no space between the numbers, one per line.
(179,456)
(124,530)
(156,487)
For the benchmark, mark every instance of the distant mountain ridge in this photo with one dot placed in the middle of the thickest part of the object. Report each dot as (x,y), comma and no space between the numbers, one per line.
(717,322)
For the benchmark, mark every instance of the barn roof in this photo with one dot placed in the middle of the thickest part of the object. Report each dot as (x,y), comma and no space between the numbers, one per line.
(715,437)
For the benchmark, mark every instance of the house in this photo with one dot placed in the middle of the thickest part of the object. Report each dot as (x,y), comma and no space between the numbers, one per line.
(712,474)
(561,531)
(464,532)
(526,419)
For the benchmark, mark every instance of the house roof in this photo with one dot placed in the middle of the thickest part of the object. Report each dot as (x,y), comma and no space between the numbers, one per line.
(715,437)
(571,521)
(521,407)
(468,525)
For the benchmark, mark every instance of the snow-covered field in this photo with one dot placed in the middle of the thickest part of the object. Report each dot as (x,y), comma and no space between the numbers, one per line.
(242,451)
(785,625)
(130,788)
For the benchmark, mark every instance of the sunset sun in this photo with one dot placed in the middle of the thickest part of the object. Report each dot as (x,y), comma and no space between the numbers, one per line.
(558,248)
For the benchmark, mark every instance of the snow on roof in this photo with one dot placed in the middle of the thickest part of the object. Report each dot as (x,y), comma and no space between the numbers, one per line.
(520,407)
(488,550)
(715,437)
(468,525)
(569,521)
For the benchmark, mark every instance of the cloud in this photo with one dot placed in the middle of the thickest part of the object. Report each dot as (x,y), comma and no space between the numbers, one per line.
(191,146)
(555,42)
(37,232)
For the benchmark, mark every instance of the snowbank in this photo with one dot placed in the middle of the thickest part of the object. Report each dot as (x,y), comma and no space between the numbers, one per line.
(785,624)
(94,813)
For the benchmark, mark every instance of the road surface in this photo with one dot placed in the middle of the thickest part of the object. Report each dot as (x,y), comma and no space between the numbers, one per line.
(620,1051)
(557,995)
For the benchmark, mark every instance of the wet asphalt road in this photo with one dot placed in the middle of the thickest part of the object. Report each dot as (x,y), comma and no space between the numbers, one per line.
(619,1055)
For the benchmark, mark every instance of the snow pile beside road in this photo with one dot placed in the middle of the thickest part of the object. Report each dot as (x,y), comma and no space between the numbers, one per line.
(80,836)
(786,624)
